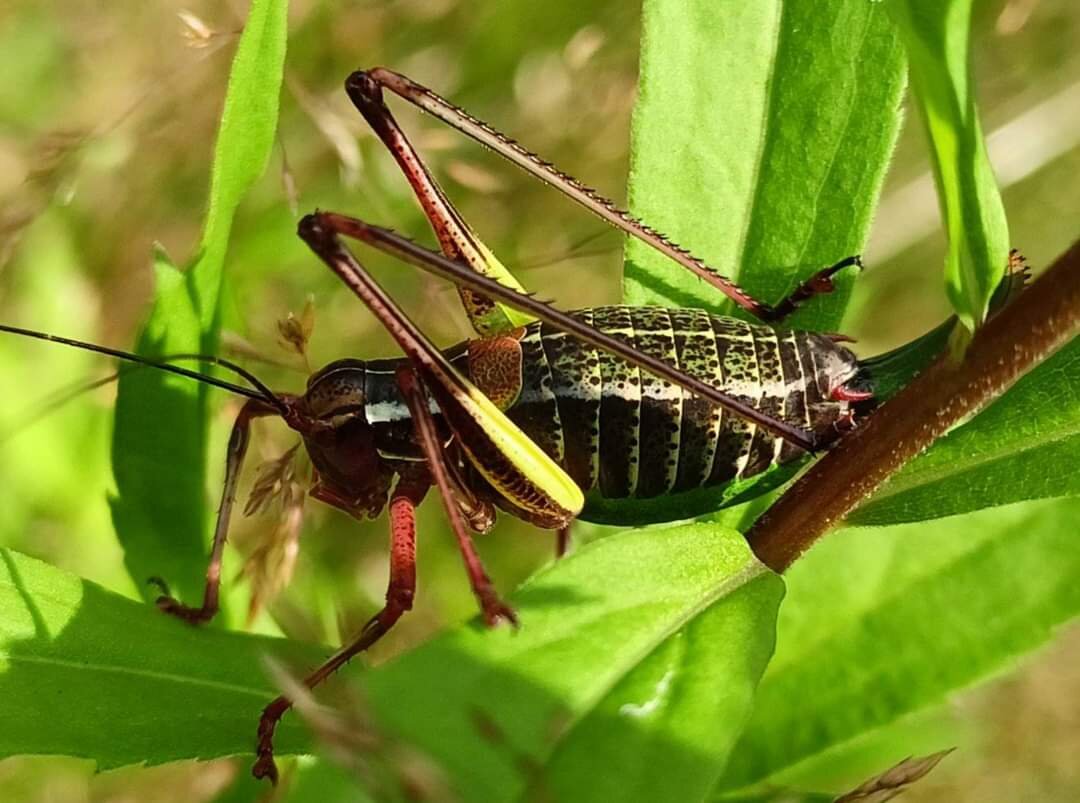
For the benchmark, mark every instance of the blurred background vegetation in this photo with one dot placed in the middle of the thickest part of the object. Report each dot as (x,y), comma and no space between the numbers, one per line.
(107,118)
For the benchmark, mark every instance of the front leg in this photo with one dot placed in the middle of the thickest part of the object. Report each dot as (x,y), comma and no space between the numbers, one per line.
(238,443)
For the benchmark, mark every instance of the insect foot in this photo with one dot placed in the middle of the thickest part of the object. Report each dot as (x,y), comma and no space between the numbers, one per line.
(167,603)
(264,766)
(174,607)
(495,610)
(821,283)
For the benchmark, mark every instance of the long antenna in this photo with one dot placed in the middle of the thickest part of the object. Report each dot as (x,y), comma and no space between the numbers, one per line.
(261,391)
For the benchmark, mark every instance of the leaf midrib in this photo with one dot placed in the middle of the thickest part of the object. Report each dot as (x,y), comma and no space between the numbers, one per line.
(750,572)
(837,147)
(84,666)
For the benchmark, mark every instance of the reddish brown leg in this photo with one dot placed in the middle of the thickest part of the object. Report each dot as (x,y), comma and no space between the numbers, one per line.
(365,89)
(562,541)
(321,232)
(818,284)
(238,443)
(456,239)
(399,598)
(493,608)
(479,513)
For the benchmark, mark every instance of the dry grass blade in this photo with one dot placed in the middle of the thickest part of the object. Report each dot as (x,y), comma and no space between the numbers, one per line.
(273,479)
(894,780)
(271,563)
(351,740)
(333,127)
(197,33)
(295,332)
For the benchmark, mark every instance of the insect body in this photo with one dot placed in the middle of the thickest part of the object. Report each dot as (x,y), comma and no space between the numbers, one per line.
(620,432)
(547,415)
(617,431)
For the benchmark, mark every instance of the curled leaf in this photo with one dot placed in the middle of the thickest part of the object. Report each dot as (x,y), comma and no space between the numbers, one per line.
(938,46)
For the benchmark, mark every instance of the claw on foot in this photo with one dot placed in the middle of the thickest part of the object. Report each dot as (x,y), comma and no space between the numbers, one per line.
(495,610)
(175,607)
(264,767)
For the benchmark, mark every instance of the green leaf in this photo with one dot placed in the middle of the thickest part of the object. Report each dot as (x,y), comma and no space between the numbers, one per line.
(159,441)
(760,139)
(936,38)
(1024,446)
(954,601)
(760,143)
(85,672)
(638,651)
(318,779)
(601,681)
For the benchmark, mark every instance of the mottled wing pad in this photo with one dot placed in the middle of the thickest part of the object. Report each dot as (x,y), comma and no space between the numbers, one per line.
(495,366)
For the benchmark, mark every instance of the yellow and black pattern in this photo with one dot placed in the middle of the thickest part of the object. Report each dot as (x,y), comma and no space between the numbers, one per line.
(536,410)
(797,366)
(576,383)
(620,407)
(620,431)
(740,376)
(661,406)
(695,344)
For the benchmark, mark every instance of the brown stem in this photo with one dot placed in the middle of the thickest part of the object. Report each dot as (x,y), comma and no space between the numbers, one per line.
(1043,318)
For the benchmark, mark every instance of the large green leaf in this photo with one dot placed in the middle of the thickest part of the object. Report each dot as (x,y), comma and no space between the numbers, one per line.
(159,442)
(85,672)
(1024,446)
(759,143)
(760,140)
(881,623)
(937,42)
(642,650)
(639,651)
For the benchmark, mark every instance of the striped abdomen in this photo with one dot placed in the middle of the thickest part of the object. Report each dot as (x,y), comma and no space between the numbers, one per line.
(622,432)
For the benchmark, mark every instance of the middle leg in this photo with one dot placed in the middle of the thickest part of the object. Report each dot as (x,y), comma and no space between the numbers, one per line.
(400,591)
(491,605)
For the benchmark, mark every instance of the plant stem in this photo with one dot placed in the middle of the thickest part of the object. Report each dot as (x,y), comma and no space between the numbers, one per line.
(1043,318)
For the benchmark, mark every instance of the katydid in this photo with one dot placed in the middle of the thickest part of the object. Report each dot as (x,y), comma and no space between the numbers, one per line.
(548,415)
